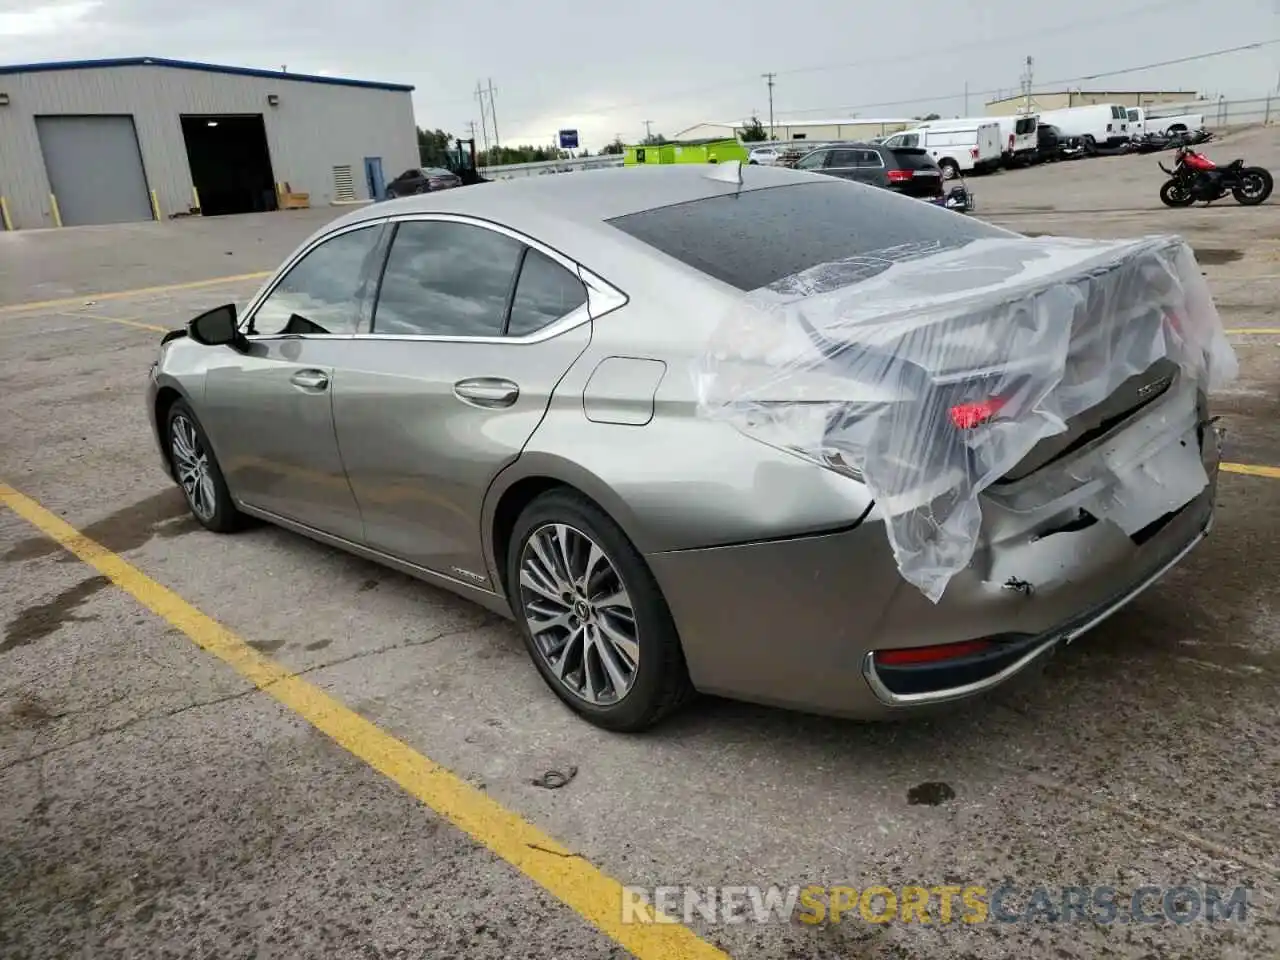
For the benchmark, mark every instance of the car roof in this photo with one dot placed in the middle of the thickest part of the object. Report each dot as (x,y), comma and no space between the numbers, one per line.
(586,196)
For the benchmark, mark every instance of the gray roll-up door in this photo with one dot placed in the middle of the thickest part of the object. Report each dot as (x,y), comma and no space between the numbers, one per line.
(95,169)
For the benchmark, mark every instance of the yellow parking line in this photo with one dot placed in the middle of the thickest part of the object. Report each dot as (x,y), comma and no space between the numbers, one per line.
(125,294)
(1243,331)
(593,894)
(1251,470)
(127,321)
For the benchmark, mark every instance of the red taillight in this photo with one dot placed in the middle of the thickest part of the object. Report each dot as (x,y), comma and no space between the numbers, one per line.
(966,416)
(944,651)
(900,176)
(973,152)
(1011,141)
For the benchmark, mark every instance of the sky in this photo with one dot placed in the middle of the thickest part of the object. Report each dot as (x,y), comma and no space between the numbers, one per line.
(606,68)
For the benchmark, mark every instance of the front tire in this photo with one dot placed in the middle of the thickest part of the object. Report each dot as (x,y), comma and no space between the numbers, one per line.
(592,616)
(1264,185)
(949,169)
(1175,194)
(197,471)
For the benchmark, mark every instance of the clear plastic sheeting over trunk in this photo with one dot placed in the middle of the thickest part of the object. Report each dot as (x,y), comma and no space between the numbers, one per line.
(932,371)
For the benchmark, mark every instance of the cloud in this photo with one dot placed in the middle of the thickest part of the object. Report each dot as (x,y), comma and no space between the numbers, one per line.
(45,21)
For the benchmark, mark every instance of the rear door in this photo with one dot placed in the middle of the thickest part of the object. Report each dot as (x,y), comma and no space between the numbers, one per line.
(843,163)
(471,330)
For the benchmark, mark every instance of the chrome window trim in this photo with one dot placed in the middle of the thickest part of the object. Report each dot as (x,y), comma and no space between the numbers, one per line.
(270,287)
(602,296)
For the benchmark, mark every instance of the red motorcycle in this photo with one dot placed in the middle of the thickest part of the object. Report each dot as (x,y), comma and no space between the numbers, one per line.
(1195,177)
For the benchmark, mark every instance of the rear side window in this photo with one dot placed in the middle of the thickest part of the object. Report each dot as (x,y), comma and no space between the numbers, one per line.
(545,292)
(844,158)
(446,279)
(752,239)
(912,160)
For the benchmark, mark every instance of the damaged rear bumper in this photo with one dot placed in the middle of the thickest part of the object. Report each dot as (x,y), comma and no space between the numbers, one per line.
(798,623)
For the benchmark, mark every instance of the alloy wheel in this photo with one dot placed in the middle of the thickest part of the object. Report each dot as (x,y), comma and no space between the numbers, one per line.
(579,614)
(191,464)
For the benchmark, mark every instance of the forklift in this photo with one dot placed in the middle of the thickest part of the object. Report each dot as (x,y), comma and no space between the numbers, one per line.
(463,163)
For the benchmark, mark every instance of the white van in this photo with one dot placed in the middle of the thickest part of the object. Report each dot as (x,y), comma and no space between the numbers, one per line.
(1018,140)
(1098,124)
(957,146)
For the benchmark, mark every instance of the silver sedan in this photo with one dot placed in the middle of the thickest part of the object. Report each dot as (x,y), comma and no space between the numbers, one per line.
(493,390)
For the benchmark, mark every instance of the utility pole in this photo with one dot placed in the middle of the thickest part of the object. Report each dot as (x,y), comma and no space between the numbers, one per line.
(648,130)
(484,127)
(768,78)
(493,114)
(1027,82)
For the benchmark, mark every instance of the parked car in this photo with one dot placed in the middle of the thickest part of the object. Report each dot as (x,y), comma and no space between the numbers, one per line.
(907,170)
(1017,134)
(958,146)
(767,156)
(422,181)
(490,390)
(1048,143)
(1143,122)
(1097,124)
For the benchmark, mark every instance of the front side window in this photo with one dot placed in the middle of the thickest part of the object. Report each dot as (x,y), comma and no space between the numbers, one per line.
(446,279)
(323,292)
(545,292)
(813,161)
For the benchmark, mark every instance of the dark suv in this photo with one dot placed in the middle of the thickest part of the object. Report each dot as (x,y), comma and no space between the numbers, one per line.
(907,170)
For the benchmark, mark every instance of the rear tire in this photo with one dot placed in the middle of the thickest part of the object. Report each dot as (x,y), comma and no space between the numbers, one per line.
(1253,199)
(592,616)
(950,170)
(197,472)
(1173,194)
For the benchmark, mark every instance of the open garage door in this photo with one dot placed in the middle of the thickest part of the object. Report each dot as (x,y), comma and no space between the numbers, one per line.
(230,163)
(95,168)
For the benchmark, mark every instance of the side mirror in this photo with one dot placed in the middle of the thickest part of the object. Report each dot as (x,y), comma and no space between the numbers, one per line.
(217,328)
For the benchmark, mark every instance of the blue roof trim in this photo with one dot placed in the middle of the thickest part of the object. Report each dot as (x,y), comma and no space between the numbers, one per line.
(194,65)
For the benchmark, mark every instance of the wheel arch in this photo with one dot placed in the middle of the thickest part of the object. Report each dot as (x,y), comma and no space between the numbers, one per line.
(522,483)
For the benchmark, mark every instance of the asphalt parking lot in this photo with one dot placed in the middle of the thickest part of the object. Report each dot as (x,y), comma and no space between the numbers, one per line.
(256,746)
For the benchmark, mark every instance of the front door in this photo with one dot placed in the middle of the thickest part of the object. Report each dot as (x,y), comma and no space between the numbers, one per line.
(470,335)
(269,411)
(374,178)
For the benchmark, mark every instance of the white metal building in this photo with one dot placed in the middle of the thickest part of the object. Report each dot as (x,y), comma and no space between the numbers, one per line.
(114,141)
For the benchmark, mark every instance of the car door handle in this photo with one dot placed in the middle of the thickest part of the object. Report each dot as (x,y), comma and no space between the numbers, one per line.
(310,379)
(490,392)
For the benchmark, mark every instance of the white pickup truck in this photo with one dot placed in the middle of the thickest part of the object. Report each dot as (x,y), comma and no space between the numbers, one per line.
(1141,122)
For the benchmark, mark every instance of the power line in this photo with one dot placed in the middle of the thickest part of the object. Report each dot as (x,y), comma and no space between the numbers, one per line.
(1039,33)
(1047,83)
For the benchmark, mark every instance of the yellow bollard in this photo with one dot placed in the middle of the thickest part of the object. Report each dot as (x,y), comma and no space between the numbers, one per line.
(155,205)
(4,213)
(57,214)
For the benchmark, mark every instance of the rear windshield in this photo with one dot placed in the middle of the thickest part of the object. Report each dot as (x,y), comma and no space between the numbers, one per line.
(1024,126)
(1119,113)
(751,239)
(905,158)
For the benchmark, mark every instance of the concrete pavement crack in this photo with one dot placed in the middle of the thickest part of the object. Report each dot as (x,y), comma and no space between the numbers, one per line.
(166,714)
(132,722)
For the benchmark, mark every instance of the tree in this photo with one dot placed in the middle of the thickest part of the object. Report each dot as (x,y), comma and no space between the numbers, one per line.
(433,147)
(525,153)
(655,140)
(615,149)
(753,132)
(930,116)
